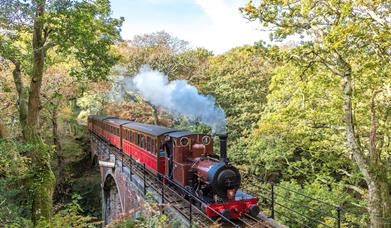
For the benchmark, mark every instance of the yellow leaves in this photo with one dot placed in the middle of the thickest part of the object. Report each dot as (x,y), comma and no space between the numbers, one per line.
(306,6)
(345,9)
(250,9)
(66,111)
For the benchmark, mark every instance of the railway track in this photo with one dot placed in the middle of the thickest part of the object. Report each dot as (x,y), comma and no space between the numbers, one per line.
(171,199)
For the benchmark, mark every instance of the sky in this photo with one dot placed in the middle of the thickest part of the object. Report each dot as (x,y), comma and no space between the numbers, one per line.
(213,24)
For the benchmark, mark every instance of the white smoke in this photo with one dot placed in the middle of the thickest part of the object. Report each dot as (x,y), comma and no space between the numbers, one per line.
(176,97)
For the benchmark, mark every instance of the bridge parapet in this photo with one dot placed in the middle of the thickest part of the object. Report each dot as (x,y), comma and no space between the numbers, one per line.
(120,196)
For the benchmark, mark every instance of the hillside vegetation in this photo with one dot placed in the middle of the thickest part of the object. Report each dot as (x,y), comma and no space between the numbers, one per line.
(313,116)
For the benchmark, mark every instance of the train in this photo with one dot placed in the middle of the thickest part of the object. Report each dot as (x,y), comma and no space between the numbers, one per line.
(184,157)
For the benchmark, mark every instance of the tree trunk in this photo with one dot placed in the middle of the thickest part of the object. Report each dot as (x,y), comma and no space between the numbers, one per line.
(371,171)
(37,73)
(3,132)
(42,182)
(22,99)
(59,153)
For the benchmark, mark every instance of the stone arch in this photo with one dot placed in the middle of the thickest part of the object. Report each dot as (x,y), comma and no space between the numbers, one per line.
(112,208)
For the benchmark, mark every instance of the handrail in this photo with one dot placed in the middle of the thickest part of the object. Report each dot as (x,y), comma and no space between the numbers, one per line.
(301,204)
(273,197)
(290,209)
(290,190)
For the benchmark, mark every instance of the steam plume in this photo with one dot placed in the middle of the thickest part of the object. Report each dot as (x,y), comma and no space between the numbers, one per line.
(176,97)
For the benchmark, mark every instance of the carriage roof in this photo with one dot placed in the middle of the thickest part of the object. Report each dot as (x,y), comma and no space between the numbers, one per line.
(116,121)
(97,117)
(151,129)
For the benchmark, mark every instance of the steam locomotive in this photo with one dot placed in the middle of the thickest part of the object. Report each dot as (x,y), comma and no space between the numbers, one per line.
(186,158)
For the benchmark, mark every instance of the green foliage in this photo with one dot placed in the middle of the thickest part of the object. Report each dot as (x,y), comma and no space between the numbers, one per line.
(150,216)
(70,216)
(239,80)
(86,31)
(90,103)
(310,211)
(328,103)
(83,31)
(297,137)
(13,171)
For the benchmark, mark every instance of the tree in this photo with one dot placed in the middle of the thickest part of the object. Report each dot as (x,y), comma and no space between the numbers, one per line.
(239,80)
(351,40)
(57,90)
(80,29)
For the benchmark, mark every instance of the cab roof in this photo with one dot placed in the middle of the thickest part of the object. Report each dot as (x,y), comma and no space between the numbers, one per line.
(178,134)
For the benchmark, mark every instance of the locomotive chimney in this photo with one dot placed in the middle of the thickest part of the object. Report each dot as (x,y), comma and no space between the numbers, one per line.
(223,148)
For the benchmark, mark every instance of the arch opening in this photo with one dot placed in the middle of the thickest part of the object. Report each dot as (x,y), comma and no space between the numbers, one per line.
(111,203)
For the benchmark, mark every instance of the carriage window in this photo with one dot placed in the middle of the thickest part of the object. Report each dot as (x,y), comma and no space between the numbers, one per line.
(142,141)
(118,131)
(154,146)
(148,143)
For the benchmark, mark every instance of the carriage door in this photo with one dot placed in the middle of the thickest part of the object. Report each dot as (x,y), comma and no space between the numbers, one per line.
(167,147)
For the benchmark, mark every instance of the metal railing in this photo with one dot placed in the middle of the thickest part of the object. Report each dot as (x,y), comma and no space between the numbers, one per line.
(296,209)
